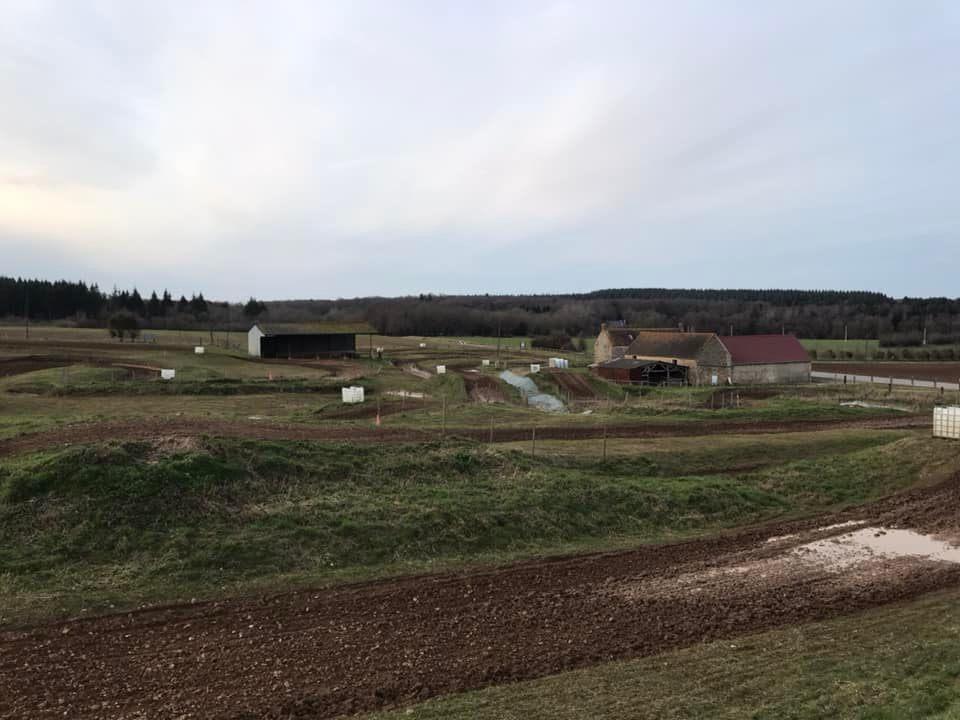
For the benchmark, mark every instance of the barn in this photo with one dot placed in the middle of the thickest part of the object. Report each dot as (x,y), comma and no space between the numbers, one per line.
(669,346)
(302,341)
(754,360)
(612,342)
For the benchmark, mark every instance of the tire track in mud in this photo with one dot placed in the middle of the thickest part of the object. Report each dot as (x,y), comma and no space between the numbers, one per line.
(348,649)
(145,429)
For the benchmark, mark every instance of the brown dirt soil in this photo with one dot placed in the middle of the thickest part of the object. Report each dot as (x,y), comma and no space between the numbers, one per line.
(30,363)
(141,429)
(483,388)
(941,371)
(326,653)
(576,386)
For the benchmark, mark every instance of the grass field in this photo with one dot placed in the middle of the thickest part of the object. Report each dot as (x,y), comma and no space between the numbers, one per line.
(896,663)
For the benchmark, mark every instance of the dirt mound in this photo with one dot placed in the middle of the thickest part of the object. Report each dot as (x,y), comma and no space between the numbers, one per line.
(483,388)
(168,445)
(325,653)
(576,386)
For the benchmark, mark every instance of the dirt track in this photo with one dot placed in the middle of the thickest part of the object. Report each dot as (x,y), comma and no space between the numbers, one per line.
(260,430)
(320,654)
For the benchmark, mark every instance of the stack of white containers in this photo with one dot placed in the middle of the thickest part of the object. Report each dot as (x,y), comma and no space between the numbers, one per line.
(946,422)
(559,363)
(352,394)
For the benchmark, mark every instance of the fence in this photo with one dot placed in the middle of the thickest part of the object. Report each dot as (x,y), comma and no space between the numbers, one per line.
(878,380)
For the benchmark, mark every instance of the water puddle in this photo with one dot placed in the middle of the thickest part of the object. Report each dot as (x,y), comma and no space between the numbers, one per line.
(531,392)
(875,542)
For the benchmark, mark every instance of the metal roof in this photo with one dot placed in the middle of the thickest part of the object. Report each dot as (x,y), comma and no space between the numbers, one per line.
(764,349)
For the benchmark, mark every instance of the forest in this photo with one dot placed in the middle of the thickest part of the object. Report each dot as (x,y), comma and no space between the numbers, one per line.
(806,313)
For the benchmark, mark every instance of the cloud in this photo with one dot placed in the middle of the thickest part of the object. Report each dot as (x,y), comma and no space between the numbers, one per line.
(323,149)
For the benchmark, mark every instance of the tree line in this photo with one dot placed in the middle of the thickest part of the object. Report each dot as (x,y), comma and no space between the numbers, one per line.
(44,300)
(806,313)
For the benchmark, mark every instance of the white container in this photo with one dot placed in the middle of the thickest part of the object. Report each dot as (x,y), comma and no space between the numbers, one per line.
(558,363)
(946,422)
(534,368)
(199,350)
(422,345)
(352,394)
(441,369)
(485,363)
(166,374)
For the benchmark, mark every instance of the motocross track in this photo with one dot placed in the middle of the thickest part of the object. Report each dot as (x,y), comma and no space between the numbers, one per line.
(146,429)
(325,653)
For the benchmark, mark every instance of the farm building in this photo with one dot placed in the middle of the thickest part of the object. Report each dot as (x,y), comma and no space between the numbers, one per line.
(302,341)
(612,342)
(669,346)
(641,372)
(712,359)
(754,359)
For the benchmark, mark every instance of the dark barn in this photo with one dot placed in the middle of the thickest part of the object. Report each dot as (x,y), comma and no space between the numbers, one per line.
(309,345)
(642,372)
(283,342)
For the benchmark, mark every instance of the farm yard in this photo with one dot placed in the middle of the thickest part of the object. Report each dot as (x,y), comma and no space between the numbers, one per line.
(238,542)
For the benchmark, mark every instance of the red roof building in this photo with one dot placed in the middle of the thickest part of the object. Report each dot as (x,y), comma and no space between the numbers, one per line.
(764,349)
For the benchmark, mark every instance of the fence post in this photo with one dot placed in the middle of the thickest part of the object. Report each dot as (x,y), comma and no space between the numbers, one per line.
(443,418)
(491,431)
(533,448)
(604,442)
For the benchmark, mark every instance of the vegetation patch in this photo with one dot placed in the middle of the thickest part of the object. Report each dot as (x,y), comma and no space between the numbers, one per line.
(118,524)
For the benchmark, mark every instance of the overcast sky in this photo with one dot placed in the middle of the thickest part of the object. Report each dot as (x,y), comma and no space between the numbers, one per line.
(313,149)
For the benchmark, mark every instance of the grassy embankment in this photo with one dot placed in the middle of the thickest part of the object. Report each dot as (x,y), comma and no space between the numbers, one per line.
(121,524)
(894,663)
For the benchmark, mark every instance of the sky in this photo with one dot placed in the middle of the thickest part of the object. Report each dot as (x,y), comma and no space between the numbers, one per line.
(341,149)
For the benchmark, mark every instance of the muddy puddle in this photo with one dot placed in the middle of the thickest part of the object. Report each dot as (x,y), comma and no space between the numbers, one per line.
(843,551)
